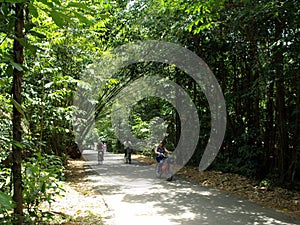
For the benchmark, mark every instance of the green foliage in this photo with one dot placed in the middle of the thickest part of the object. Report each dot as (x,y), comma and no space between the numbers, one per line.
(206,15)
(5,184)
(5,124)
(6,206)
(42,174)
(6,202)
(57,48)
(239,40)
(242,44)
(41,184)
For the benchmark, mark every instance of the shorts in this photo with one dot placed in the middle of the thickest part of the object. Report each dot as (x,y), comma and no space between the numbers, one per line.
(159,158)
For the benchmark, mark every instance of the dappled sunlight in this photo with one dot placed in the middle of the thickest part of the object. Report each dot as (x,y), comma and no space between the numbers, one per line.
(133,193)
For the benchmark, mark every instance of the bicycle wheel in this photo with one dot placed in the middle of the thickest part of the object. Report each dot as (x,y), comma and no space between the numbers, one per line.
(158,171)
(170,178)
(166,171)
(169,172)
(100,157)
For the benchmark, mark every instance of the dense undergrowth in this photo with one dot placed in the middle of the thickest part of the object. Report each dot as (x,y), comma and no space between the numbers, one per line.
(41,176)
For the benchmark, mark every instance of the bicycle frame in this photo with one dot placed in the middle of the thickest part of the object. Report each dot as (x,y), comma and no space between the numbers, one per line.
(163,169)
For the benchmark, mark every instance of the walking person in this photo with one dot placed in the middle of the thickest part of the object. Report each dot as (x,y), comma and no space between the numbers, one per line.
(104,147)
(127,151)
(100,152)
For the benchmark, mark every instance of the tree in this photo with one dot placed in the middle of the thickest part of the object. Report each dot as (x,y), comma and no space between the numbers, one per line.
(18,52)
(252,49)
(19,29)
(255,42)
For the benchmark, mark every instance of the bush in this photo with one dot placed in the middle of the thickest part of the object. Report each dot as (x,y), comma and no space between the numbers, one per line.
(6,207)
(41,177)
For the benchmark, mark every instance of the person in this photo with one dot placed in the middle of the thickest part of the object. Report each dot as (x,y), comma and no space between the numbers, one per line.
(127,151)
(100,152)
(99,145)
(104,147)
(159,151)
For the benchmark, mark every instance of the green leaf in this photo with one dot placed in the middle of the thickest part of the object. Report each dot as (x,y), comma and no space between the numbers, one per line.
(22,41)
(18,107)
(18,144)
(43,188)
(33,10)
(32,48)
(29,26)
(13,1)
(6,201)
(16,65)
(57,2)
(37,34)
(79,5)
(49,4)
(2,83)
(9,71)
(82,18)
(57,18)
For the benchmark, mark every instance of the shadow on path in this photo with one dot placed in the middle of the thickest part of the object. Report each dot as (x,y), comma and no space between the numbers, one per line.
(134,196)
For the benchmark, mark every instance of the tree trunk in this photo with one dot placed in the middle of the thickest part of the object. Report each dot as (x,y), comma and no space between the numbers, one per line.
(280,104)
(18,51)
(296,141)
(269,137)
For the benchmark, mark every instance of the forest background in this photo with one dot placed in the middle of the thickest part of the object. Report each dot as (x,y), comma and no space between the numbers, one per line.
(252,47)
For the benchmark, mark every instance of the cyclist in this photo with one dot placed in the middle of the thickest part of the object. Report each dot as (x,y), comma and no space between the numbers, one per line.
(159,151)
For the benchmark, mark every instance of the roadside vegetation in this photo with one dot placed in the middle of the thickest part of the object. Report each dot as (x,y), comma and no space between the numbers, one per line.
(252,47)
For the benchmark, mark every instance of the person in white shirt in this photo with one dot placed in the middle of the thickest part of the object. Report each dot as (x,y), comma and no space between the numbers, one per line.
(127,151)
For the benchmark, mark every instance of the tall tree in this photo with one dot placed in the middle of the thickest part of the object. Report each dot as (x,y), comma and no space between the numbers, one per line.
(18,52)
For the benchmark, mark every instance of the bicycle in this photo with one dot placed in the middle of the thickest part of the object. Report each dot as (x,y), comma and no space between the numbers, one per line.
(100,156)
(163,168)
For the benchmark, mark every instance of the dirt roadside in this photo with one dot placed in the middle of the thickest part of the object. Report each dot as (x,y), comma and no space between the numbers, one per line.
(80,203)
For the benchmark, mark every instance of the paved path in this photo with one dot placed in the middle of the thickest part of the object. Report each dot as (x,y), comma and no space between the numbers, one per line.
(134,196)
